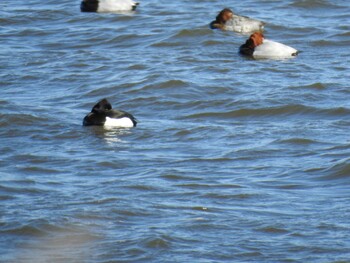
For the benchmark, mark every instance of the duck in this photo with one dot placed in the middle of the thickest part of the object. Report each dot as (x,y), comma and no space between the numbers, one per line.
(258,47)
(107,5)
(227,20)
(102,114)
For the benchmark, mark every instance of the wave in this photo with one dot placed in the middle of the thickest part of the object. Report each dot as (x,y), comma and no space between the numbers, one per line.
(297,141)
(20,119)
(339,171)
(184,37)
(50,242)
(281,111)
(310,4)
(31,231)
(316,86)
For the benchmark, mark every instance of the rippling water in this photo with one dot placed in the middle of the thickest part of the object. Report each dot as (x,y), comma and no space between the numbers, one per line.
(233,160)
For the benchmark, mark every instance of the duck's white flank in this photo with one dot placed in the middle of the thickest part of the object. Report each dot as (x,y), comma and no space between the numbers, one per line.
(272,49)
(124,122)
(115,5)
(243,24)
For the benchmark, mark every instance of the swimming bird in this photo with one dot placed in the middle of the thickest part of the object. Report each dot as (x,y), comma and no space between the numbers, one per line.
(107,5)
(259,47)
(102,114)
(227,20)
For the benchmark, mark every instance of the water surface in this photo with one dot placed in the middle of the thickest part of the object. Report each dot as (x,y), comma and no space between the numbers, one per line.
(233,159)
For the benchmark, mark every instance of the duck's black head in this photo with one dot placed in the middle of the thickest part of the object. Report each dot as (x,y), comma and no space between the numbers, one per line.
(102,105)
(98,114)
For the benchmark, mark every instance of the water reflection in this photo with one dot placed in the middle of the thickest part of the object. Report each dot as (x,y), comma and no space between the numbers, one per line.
(110,135)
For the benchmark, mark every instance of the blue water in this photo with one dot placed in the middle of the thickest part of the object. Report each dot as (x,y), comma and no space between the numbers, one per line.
(233,159)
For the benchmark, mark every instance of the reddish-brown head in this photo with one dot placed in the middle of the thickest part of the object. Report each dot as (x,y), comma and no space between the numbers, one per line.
(256,39)
(224,15)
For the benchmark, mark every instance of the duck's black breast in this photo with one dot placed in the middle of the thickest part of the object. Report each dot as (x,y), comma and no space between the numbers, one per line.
(94,118)
(243,50)
(89,6)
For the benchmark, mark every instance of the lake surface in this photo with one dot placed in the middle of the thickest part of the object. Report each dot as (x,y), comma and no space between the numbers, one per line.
(233,159)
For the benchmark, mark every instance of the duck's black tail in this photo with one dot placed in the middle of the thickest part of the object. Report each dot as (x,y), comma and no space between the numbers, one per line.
(134,6)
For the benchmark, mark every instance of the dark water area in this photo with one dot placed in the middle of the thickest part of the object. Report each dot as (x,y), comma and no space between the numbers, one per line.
(233,159)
